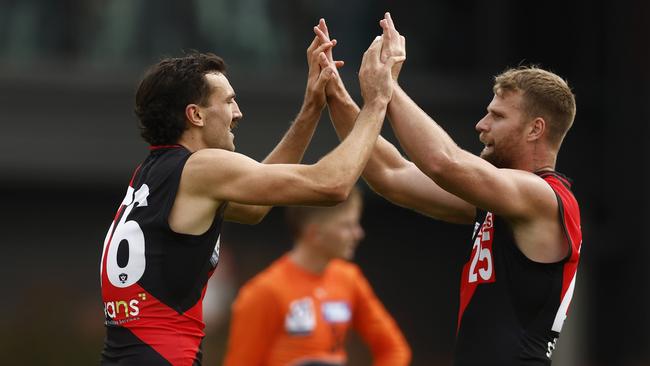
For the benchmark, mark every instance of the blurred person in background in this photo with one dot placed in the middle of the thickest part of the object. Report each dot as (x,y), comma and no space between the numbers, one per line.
(518,283)
(163,244)
(299,310)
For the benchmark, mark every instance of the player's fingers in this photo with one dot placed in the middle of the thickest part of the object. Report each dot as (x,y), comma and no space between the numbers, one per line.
(323,61)
(384,25)
(323,26)
(326,75)
(313,44)
(389,20)
(321,35)
(339,64)
(323,48)
(395,59)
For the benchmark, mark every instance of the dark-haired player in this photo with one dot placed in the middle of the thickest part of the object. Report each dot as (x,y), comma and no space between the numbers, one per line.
(164,241)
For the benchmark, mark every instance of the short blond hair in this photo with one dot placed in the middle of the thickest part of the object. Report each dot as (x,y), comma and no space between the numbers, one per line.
(545,95)
(298,217)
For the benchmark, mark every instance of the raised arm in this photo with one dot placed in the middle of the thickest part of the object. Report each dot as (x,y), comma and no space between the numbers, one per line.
(516,194)
(221,175)
(459,172)
(521,197)
(291,148)
(387,172)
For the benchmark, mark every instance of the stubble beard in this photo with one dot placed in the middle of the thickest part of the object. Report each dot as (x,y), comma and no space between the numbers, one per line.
(499,159)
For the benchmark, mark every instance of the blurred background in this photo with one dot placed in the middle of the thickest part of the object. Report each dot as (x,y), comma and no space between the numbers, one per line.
(68,72)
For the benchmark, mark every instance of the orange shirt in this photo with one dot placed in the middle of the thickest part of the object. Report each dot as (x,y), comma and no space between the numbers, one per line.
(287,315)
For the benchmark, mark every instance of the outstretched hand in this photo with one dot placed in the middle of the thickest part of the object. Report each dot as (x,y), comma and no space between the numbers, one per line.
(321,71)
(393,45)
(323,36)
(375,77)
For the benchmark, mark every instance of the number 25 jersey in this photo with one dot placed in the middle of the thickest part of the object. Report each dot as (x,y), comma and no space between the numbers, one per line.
(512,308)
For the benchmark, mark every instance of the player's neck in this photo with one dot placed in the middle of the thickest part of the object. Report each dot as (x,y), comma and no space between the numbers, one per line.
(304,258)
(191,142)
(539,158)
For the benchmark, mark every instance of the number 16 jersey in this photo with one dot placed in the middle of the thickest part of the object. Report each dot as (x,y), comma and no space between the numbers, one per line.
(153,279)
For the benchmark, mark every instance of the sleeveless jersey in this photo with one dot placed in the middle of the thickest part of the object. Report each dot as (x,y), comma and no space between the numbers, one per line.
(153,279)
(512,308)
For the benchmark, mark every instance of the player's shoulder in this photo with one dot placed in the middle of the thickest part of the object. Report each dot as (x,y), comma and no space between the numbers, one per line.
(556,180)
(560,184)
(210,156)
(267,281)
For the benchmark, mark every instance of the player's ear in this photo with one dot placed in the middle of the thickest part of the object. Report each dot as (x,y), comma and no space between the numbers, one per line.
(536,129)
(193,115)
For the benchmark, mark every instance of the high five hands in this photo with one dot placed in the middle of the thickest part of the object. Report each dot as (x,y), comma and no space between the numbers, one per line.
(391,52)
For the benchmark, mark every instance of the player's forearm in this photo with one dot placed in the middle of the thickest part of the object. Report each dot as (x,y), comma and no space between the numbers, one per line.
(293,145)
(342,109)
(289,150)
(384,157)
(343,166)
(423,140)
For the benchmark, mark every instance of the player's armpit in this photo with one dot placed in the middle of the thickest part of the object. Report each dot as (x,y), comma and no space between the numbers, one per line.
(245,214)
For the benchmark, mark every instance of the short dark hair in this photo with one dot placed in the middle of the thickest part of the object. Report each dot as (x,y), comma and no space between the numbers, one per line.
(298,217)
(167,88)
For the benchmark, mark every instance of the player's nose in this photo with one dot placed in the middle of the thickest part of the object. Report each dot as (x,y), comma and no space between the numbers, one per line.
(482,125)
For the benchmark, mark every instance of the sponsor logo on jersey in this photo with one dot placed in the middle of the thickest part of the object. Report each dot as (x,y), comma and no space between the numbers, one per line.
(122,311)
(550,348)
(300,319)
(336,311)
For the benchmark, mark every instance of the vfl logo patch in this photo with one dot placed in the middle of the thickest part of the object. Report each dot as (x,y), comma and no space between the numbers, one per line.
(301,319)
(123,277)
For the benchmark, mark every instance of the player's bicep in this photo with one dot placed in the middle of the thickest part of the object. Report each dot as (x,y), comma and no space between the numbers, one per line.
(228,176)
(513,193)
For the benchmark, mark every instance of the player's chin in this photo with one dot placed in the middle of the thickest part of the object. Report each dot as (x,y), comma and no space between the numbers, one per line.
(487,155)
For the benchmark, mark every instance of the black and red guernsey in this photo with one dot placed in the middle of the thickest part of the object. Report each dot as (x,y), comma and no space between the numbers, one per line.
(511,308)
(153,279)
